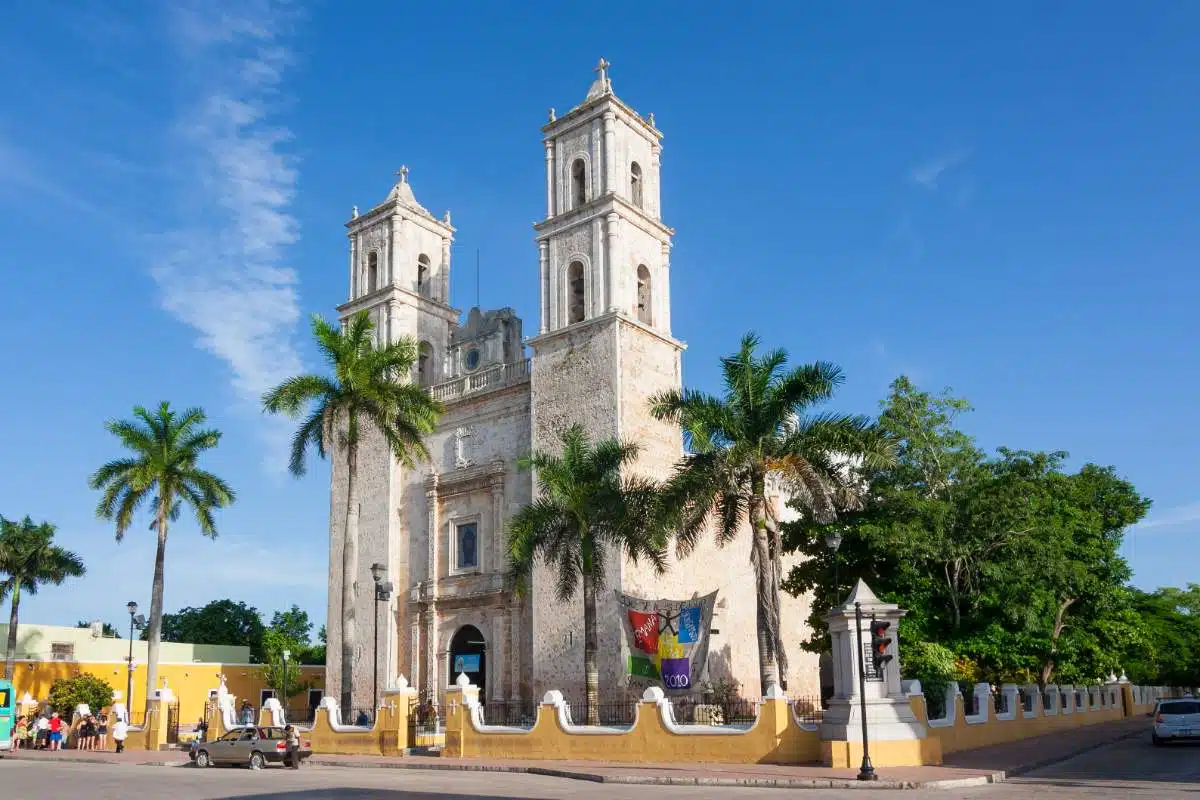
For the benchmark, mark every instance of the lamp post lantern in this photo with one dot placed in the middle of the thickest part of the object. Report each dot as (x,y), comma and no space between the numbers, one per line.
(383,592)
(833,540)
(283,682)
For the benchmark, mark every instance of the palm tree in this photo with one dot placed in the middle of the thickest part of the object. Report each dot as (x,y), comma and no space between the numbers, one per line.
(586,512)
(161,469)
(761,430)
(29,558)
(369,385)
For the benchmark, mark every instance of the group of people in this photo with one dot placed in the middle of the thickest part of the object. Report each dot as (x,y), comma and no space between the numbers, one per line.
(46,730)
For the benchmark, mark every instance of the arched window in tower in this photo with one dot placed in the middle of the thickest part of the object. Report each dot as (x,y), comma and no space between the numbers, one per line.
(372,271)
(643,295)
(425,364)
(635,184)
(423,275)
(579,183)
(575,293)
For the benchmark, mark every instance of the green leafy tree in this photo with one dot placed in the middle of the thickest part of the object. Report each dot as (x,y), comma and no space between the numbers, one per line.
(161,471)
(370,385)
(284,675)
(220,622)
(29,559)
(293,623)
(107,630)
(1168,651)
(586,511)
(765,425)
(67,693)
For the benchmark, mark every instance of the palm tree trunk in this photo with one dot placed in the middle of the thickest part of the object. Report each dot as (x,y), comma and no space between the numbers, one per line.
(154,632)
(349,579)
(10,650)
(591,644)
(766,595)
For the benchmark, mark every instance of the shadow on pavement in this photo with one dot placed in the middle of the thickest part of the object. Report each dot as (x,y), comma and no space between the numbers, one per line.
(354,793)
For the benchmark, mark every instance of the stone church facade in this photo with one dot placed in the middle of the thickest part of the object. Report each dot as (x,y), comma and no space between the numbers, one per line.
(603,346)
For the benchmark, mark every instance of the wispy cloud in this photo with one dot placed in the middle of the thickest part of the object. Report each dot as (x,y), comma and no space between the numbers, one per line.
(226,274)
(928,173)
(1170,517)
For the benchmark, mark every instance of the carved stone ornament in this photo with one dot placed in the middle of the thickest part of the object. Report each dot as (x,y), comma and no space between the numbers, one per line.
(462,455)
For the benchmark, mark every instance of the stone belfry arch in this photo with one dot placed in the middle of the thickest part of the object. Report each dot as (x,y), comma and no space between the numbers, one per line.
(604,344)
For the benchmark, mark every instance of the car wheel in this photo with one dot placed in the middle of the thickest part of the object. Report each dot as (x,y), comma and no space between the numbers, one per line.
(257,761)
(1155,740)
(202,759)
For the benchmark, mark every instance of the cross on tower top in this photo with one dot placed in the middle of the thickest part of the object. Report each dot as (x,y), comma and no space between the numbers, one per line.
(402,174)
(602,69)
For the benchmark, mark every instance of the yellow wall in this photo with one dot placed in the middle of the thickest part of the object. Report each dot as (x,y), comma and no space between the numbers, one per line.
(776,738)
(34,643)
(189,682)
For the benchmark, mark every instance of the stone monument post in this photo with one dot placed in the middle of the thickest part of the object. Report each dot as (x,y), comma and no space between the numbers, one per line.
(896,736)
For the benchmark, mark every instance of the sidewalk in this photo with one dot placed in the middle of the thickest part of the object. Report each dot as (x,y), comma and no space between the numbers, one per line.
(975,767)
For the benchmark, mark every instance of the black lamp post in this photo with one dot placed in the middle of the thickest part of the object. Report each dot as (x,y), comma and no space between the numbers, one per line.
(283,700)
(866,772)
(833,540)
(383,591)
(136,621)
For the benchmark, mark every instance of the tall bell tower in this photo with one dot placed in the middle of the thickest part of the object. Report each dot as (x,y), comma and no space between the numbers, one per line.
(604,345)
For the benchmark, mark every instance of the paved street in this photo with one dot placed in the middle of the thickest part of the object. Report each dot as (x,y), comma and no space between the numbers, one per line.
(1127,769)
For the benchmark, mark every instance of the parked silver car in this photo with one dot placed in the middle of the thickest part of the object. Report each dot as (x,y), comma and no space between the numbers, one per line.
(1176,720)
(251,746)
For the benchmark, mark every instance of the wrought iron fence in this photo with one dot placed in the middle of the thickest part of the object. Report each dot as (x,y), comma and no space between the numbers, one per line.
(362,717)
(173,722)
(424,716)
(620,712)
(970,704)
(1026,700)
(809,710)
(1000,702)
(513,713)
(709,710)
(935,704)
(300,715)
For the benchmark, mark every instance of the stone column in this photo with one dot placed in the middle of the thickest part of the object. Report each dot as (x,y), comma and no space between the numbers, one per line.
(610,137)
(432,646)
(612,242)
(414,655)
(497,486)
(353,266)
(544,265)
(395,268)
(514,648)
(652,191)
(598,299)
(496,658)
(444,277)
(662,292)
(432,574)
(549,178)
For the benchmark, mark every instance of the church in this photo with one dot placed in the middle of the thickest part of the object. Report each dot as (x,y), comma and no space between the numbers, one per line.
(602,347)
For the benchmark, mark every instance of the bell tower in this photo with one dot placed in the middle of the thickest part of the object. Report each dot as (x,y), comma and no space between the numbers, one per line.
(604,345)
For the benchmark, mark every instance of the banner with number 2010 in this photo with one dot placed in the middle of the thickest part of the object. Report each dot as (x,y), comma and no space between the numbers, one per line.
(666,641)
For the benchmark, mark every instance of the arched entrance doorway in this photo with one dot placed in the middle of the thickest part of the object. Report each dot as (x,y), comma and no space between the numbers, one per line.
(468,655)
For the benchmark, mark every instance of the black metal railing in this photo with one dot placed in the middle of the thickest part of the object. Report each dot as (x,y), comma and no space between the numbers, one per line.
(173,722)
(971,704)
(513,713)
(362,717)
(935,705)
(708,710)
(300,715)
(809,710)
(619,712)
(1027,700)
(1000,702)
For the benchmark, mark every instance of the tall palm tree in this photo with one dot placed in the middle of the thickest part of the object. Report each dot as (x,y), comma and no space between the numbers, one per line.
(587,511)
(369,385)
(161,469)
(29,558)
(763,429)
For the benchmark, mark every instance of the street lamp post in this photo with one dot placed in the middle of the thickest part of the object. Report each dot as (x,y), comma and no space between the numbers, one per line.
(833,540)
(283,701)
(866,772)
(383,591)
(135,621)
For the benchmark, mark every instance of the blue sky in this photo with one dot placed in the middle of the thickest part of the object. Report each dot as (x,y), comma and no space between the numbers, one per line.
(998,198)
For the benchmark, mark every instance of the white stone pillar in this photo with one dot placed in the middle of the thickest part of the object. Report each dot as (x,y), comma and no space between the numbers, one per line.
(611,245)
(414,655)
(549,178)
(544,265)
(353,266)
(554,295)
(598,300)
(662,292)
(496,661)
(610,138)
(444,277)
(395,268)
(652,191)
(432,648)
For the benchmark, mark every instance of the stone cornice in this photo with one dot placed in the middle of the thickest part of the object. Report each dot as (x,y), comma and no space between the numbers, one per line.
(392,291)
(607,318)
(602,206)
(454,481)
(396,208)
(590,109)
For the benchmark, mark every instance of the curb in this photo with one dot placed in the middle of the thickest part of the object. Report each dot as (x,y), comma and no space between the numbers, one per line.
(651,780)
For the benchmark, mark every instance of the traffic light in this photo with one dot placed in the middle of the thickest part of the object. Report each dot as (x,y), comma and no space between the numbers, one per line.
(879,644)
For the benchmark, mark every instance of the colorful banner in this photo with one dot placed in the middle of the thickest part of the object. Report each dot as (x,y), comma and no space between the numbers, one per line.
(666,641)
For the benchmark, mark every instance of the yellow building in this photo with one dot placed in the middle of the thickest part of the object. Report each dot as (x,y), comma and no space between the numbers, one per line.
(46,653)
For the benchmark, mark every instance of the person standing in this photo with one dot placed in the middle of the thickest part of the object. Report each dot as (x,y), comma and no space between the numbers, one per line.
(119,731)
(56,726)
(21,734)
(102,731)
(42,732)
(292,756)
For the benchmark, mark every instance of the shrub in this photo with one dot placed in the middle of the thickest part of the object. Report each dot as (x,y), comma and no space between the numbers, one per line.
(934,666)
(67,693)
